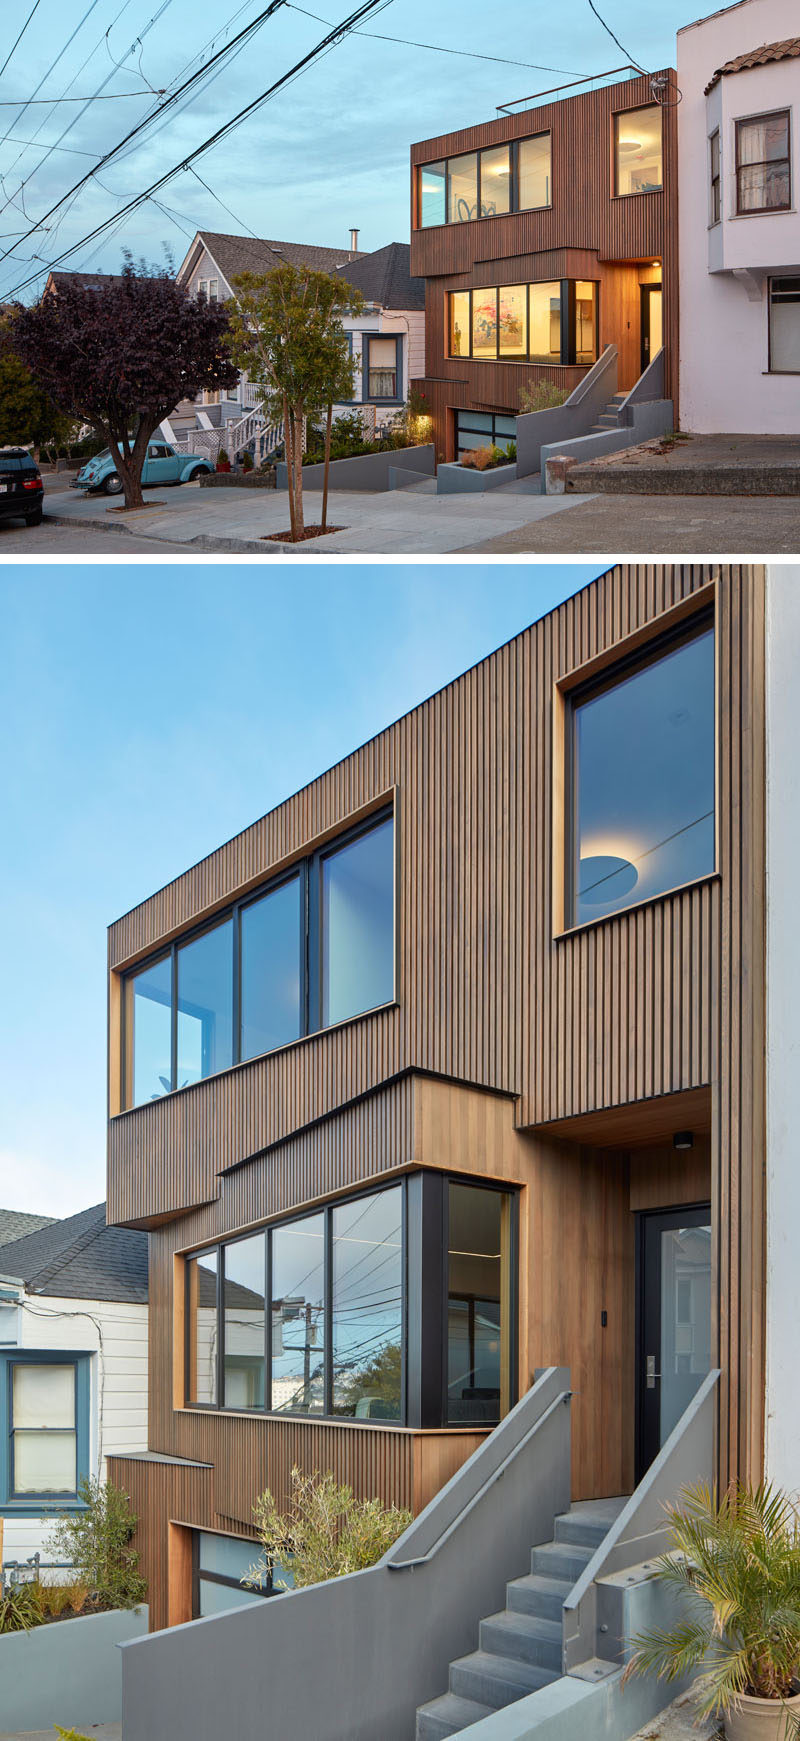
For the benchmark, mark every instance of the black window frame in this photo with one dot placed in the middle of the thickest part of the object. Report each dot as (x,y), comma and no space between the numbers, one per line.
(619,115)
(512,146)
(569,341)
(779,292)
(715,177)
(748,121)
(201,1576)
(494,418)
(638,660)
(310,943)
(424,1268)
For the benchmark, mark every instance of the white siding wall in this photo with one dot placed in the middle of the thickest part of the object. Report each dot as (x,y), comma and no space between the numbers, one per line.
(782,1450)
(116,1336)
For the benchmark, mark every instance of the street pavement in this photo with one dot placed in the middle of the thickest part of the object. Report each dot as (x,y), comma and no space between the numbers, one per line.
(747,526)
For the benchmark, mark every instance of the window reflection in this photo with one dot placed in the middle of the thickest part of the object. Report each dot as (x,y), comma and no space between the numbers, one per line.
(270,948)
(201,1305)
(298,1317)
(432,178)
(643,781)
(148,1031)
(477,1292)
(358,925)
(244,1320)
(205,1005)
(368,1307)
(462,188)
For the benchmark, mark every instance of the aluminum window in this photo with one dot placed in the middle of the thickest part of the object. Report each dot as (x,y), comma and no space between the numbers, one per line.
(555,322)
(512,177)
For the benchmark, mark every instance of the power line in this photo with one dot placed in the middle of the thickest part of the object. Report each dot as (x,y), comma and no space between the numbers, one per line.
(221,202)
(19,38)
(620,45)
(437,48)
(60,56)
(328,42)
(113,97)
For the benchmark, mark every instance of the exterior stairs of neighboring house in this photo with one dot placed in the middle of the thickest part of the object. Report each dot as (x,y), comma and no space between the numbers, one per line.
(520,1649)
(609,419)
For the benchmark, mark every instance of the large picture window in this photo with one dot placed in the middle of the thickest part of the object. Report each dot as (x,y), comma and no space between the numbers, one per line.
(638,151)
(504,178)
(763,171)
(641,749)
(313,1316)
(313,948)
(556,322)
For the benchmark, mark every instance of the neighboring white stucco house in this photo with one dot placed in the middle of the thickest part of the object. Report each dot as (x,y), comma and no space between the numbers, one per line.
(739,228)
(388,337)
(73,1365)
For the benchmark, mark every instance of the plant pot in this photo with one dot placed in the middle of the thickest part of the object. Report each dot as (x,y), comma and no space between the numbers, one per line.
(763,1719)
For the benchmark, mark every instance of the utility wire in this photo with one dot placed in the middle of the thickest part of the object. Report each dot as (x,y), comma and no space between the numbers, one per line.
(620,45)
(19,38)
(113,97)
(60,56)
(437,48)
(335,36)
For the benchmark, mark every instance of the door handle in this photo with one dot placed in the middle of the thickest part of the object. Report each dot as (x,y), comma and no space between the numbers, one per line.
(650,1372)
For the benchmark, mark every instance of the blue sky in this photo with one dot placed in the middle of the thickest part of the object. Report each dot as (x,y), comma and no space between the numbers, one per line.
(150,713)
(330,152)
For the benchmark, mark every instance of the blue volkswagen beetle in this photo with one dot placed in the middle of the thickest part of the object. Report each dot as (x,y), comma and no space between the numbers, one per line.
(163,465)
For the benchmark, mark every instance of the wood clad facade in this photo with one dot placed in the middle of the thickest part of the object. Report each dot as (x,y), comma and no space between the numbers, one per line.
(586,233)
(557,1063)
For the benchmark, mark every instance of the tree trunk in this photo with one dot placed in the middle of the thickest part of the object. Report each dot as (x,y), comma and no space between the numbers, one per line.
(327,465)
(297,456)
(128,463)
(287,447)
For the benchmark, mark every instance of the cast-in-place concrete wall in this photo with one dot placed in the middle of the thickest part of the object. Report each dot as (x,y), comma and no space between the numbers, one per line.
(367,471)
(68,1672)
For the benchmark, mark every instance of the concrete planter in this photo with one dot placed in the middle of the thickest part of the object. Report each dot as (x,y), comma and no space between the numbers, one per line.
(237,480)
(762,1719)
(452,479)
(369,471)
(68,1672)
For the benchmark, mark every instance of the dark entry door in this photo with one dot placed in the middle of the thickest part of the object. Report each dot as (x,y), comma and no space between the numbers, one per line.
(652,323)
(674,1321)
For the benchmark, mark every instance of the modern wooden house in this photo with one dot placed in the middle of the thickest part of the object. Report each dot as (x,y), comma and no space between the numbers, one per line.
(450,1068)
(543,237)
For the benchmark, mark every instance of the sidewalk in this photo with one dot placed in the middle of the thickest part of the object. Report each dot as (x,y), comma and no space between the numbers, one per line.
(397,522)
(696,465)
(679,1722)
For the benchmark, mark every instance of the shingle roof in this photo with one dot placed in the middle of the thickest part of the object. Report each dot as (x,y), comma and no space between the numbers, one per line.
(15,1223)
(384,277)
(85,278)
(770,51)
(235,254)
(80,1258)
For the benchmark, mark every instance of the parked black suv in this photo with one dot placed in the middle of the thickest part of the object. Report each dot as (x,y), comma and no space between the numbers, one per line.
(21,487)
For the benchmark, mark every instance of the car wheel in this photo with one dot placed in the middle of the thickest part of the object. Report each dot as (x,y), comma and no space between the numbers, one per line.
(112,485)
(34,519)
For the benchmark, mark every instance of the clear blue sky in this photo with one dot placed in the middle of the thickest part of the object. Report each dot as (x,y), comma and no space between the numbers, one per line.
(329,152)
(149,714)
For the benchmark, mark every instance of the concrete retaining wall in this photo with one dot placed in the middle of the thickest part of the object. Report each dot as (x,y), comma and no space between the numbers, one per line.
(368,471)
(238,480)
(68,1672)
(647,420)
(538,429)
(452,479)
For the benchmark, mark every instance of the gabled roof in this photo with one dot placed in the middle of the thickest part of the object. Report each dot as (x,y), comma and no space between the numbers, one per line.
(80,1258)
(88,278)
(15,1223)
(235,254)
(384,277)
(770,51)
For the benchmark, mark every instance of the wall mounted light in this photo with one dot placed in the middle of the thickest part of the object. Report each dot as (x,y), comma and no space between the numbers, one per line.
(683,1139)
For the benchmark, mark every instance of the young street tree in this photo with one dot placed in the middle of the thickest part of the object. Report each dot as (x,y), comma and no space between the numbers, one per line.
(120,355)
(286,332)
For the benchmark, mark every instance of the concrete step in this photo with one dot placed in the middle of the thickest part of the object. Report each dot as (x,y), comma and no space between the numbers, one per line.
(560,1560)
(607,420)
(580,1531)
(538,1595)
(618,399)
(496,1680)
(448,1715)
(527,1637)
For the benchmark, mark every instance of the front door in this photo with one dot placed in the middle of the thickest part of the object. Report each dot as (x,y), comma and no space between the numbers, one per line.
(674,1321)
(651,324)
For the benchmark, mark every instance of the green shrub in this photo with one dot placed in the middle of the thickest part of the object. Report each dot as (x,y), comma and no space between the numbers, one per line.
(542,396)
(96,1541)
(69,1734)
(20,1608)
(325,1533)
(483,459)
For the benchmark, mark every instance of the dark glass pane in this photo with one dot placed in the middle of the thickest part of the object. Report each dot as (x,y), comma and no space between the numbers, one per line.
(685,1320)
(368,1307)
(431,194)
(476,1277)
(644,782)
(270,942)
(148,1032)
(358,925)
(205,1005)
(298,1316)
(244,1306)
(201,1308)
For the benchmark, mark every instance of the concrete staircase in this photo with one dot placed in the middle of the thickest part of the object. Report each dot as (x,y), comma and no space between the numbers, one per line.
(519,1649)
(609,419)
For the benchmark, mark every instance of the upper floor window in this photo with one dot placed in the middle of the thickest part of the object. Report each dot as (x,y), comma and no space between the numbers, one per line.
(763,177)
(714,165)
(641,755)
(637,150)
(314,947)
(784,326)
(538,323)
(209,288)
(486,184)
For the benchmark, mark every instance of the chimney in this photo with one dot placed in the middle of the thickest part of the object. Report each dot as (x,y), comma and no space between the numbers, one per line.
(354,241)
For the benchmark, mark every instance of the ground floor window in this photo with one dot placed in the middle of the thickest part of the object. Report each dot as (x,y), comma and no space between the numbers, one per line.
(44,1428)
(389,1305)
(554,322)
(219,1563)
(483,429)
(784,326)
(382,366)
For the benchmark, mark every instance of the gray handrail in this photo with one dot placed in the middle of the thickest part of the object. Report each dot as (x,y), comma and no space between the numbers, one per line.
(495,1475)
(607,356)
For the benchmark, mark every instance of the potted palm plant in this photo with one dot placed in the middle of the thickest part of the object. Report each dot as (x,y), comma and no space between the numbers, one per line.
(736,1564)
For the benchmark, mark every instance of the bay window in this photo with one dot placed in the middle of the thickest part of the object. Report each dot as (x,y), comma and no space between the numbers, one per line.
(316,946)
(763,172)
